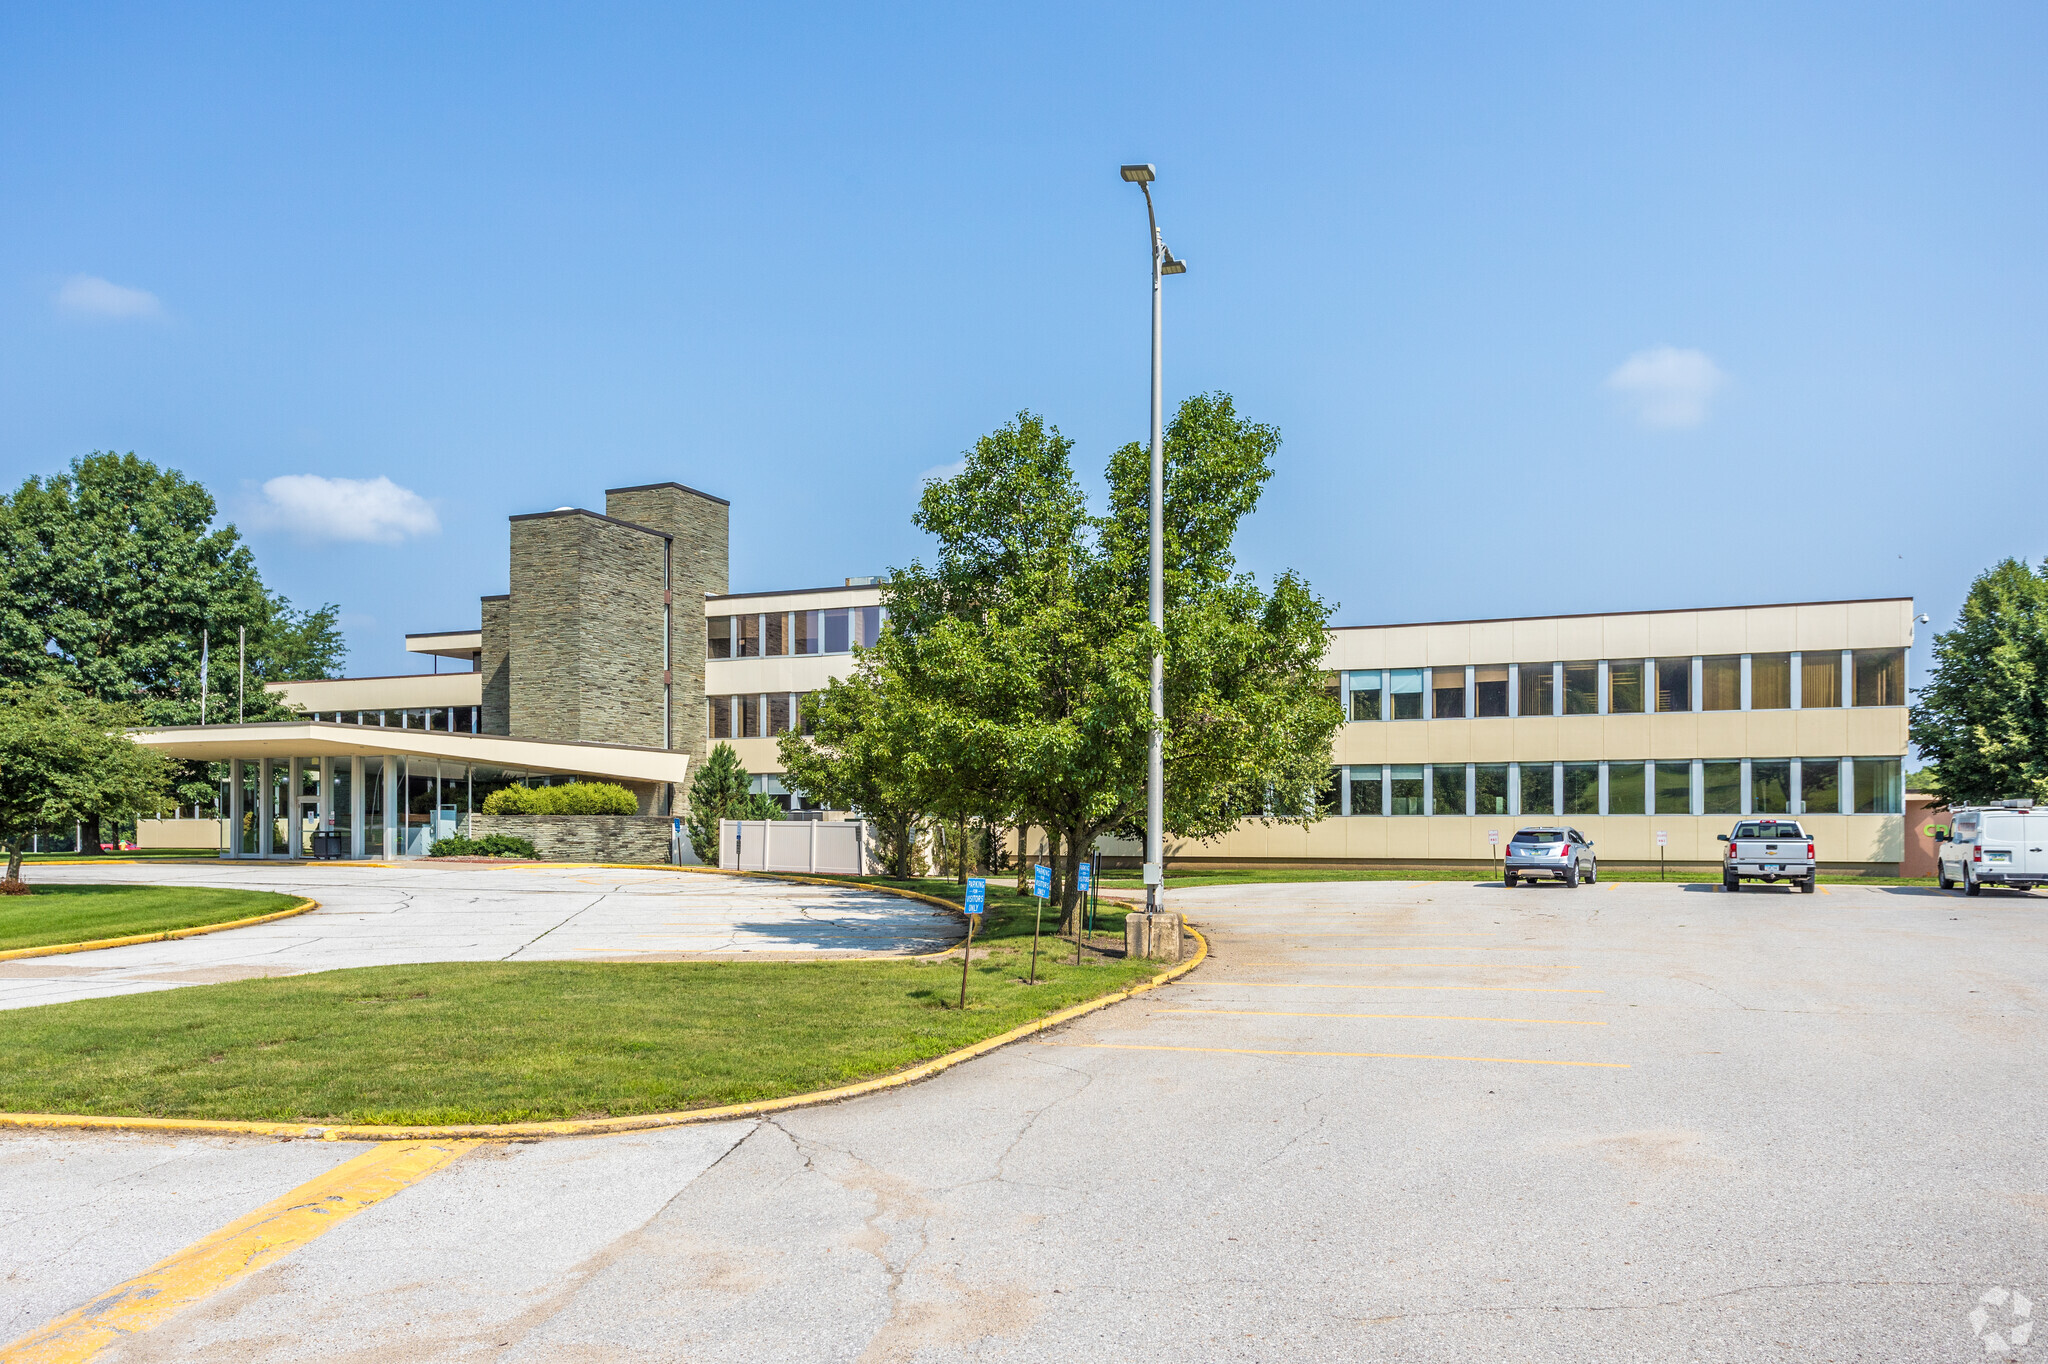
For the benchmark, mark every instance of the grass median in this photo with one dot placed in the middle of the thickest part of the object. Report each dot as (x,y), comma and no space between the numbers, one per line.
(51,916)
(474,1042)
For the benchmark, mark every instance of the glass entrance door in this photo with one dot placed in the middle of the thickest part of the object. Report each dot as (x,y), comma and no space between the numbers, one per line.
(307,824)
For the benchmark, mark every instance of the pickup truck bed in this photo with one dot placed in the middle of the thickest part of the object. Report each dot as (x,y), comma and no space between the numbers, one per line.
(1769,850)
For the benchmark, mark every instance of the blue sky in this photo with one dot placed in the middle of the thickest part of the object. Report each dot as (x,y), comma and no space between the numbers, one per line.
(1558,308)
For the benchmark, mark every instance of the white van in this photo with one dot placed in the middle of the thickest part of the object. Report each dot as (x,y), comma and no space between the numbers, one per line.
(1994,845)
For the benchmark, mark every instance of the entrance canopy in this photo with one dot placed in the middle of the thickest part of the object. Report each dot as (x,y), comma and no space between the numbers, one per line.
(325,739)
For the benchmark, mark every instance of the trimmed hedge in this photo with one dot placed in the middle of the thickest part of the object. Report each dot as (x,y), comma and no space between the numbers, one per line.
(575,798)
(490,845)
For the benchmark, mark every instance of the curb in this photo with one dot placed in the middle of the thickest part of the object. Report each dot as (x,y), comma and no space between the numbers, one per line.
(59,949)
(592,1127)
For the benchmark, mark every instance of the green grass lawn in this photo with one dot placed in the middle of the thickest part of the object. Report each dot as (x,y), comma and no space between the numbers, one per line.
(528,1041)
(1267,875)
(131,855)
(50,915)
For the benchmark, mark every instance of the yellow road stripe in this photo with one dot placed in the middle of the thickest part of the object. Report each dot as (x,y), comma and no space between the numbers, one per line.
(1441,1018)
(234,1252)
(1370,1055)
(1485,965)
(1524,989)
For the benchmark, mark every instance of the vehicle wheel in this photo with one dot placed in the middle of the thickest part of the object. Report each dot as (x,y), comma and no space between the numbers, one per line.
(1941,877)
(1571,877)
(1731,884)
(1806,885)
(1510,881)
(1593,874)
(1971,887)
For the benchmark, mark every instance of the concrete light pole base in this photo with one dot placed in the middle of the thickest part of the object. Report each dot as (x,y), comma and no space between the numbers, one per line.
(1154,935)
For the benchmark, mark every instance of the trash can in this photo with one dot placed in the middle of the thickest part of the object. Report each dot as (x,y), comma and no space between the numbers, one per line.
(327,843)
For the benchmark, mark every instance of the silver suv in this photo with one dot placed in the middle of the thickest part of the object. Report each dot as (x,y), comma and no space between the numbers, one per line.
(1557,854)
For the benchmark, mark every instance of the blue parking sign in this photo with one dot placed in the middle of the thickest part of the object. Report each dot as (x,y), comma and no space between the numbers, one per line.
(977,895)
(1087,877)
(1041,881)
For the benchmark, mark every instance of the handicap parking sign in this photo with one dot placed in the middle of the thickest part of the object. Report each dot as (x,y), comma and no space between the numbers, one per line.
(1041,881)
(977,895)
(1086,877)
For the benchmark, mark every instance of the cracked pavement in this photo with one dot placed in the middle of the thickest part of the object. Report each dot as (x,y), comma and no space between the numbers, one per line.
(1385,1122)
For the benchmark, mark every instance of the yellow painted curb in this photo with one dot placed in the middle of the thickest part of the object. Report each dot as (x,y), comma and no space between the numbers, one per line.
(590,1127)
(59,949)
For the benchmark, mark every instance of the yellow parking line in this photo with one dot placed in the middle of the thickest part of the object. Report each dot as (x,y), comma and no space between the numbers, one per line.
(1439,1018)
(234,1252)
(1370,1055)
(1524,989)
(1485,965)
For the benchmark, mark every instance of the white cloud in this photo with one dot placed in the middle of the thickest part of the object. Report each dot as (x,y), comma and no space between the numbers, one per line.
(953,470)
(1668,386)
(375,510)
(91,296)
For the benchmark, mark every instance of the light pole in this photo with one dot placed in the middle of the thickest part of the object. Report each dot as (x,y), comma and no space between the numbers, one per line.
(1163,263)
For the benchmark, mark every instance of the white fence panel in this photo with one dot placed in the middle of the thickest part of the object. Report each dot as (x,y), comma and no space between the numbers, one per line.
(837,848)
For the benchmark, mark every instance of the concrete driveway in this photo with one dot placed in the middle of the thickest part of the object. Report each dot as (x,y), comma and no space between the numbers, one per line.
(1385,1122)
(386,915)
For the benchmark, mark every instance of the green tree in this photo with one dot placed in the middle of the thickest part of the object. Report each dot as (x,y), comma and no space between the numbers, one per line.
(718,791)
(109,574)
(63,756)
(857,749)
(1020,658)
(1981,720)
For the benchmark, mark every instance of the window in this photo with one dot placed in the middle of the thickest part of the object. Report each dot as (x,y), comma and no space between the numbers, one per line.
(749,637)
(1581,688)
(1407,791)
(1625,686)
(838,631)
(1770,787)
(1722,783)
(718,637)
(1880,787)
(1820,679)
(1674,789)
(1721,683)
(1768,828)
(1674,684)
(1538,687)
(1880,677)
(1770,681)
(1582,788)
(1447,693)
(721,716)
(1365,695)
(1539,789)
(778,713)
(1365,791)
(1625,789)
(747,709)
(1538,836)
(867,621)
(1820,787)
(775,637)
(804,631)
(1406,689)
(1447,789)
(810,723)
(1490,789)
(1490,690)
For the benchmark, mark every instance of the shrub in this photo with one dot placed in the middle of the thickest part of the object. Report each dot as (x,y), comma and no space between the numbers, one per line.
(575,798)
(490,845)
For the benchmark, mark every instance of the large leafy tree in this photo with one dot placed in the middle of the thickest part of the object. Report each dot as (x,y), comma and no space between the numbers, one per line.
(1982,717)
(64,757)
(109,574)
(858,749)
(1018,661)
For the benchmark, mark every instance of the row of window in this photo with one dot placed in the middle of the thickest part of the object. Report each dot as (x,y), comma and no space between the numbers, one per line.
(1630,686)
(447,719)
(1747,786)
(780,634)
(754,716)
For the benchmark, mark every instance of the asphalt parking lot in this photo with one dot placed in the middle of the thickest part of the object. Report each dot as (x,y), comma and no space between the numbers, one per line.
(1420,1121)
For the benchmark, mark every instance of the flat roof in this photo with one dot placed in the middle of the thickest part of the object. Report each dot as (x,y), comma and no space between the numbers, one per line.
(328,739)
(595,516)
(1597,615)
(792,592)
(680,487)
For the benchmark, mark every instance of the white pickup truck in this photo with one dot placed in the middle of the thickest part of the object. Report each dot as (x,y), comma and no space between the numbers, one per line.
(1768,850)
(1994,845)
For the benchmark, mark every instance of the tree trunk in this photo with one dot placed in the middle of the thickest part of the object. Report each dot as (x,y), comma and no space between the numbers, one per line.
(1068,882)
(12,885)
(960,851)
(1023,858)
(89,835)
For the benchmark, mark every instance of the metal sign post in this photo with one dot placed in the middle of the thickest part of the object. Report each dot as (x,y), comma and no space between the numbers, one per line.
(977,901)
(1041,891)
(1661,841)
(1083,880)
(1095,874)
(1492,842)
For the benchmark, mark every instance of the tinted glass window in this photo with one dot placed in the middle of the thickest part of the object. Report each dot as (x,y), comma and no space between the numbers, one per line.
(838,631)
(1365,695)
(1406,686)
(1722,788)
(718,637)
(1820,680)
(1490,789)
(1538,836)
(1539,790)
(1770,681)
(1820,786)
(1538,687)
(1581,688)
(1447,699)
(1581,788)
(1447,789)
(1490,690)
(1365,791)
(1674,684)
(1674,788)
(1624,788)
(1880,786)
(1625,686)
(1770,787)
(1768,828)
(1407,791)
(1880,677)
(1721,683)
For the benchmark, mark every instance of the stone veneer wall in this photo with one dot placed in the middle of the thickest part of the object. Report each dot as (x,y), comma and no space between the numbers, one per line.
(583,838)
(496,665)
(698,525)
(586,629)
